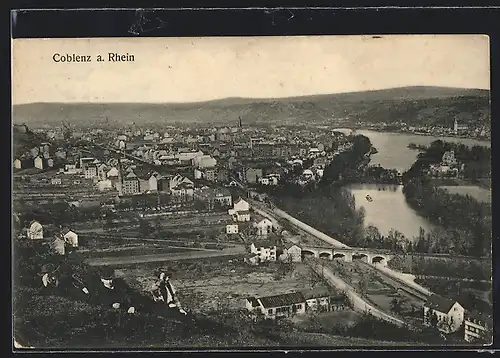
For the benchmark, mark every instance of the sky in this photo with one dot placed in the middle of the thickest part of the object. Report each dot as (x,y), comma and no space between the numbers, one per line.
(201,69)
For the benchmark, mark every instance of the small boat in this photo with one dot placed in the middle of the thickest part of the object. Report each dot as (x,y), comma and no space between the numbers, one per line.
(369,198)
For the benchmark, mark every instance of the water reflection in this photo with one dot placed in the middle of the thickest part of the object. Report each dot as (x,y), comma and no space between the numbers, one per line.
(388,209)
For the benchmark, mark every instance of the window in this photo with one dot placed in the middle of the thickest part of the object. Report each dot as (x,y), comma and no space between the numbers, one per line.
(270,311)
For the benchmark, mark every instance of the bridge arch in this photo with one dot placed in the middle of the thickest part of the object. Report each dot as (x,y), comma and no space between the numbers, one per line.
(360,256)
(307,253)
(339,255)
(379,259)
(325,255)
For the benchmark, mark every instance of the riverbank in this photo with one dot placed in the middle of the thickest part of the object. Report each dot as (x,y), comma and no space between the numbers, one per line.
(480,183)
(486,140)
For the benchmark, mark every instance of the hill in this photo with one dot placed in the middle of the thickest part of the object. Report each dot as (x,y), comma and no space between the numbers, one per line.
(414,105)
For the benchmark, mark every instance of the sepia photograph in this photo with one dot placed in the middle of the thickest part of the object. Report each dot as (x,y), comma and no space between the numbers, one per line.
(271,192)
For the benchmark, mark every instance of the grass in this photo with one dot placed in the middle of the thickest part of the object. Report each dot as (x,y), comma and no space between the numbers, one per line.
(134,252)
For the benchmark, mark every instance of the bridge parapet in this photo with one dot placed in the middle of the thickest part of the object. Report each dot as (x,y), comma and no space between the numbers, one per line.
(348,254)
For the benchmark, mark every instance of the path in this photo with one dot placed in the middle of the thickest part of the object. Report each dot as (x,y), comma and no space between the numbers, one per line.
(127,260)
(358,302)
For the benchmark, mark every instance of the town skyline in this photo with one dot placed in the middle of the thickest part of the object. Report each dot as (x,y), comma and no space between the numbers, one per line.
(245,67)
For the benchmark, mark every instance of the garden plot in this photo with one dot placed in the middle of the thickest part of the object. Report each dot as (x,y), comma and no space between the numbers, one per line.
(207,285)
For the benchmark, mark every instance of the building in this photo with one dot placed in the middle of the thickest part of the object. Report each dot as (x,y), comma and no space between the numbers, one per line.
(241,205)
(71,169)
(264,227)
(35,231)
(85,162)
(183,191)
(130,185)
(112,173)
(278,306)
(58,245)
(102,170)
(70,237)
(317,299)
(215,197)
(477,329)
(449,159)
(265,249)
(291,253)
(204,161)
(56,181)
(90,172)
(446,314)
(178,179)
(232,229)
(38,162)
(242,216)
(459,128)
(18,164)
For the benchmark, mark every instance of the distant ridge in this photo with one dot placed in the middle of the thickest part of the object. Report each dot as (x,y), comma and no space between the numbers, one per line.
(304,108)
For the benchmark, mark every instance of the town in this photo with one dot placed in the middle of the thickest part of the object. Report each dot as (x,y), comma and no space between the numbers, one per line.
(208,203)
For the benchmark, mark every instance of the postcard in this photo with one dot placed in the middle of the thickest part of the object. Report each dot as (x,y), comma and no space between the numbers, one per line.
(274,192)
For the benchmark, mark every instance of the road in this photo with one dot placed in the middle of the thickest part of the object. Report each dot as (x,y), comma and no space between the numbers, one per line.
(402,279)
(358,302)
(111,261)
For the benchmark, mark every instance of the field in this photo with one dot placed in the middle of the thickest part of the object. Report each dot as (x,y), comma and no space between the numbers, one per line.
(378,290)
(211,284)
(327,320)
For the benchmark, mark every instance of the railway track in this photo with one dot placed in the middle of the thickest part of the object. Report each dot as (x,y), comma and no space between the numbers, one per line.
(400,284)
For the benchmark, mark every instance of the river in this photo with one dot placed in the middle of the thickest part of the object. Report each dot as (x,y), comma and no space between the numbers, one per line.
(389,209)
(393,151)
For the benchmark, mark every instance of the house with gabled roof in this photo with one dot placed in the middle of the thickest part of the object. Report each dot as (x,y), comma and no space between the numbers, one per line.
(317,298)
(266,249)
(478,328)
(183,191)
(446,314)
(241,205)
(291,253)
(278,306)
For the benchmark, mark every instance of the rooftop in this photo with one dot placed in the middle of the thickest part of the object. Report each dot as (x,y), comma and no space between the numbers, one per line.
(286,299)
(439,303)
(317,292)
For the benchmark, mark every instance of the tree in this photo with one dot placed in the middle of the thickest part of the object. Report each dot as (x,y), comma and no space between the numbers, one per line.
(396,305)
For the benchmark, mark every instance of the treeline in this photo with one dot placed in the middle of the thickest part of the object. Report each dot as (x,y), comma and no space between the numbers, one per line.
(380,175)
(465,224)
(329,209)
(345,167)
(56,213)
(377,329)
(476,159)
(460,268)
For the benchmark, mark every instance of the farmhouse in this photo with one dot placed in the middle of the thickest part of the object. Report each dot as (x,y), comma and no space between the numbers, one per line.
(446,314)
(278,306)
(291,253)
(317,299)
(232,229)
(265,249)
(264,227)
(241,205)
(70,237)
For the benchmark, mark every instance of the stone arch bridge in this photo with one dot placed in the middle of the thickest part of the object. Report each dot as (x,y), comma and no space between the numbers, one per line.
(372,256)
